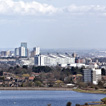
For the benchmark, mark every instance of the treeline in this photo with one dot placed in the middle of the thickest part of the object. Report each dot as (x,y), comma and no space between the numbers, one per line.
(39,69)
(56,72)
(44,75)
(67,71)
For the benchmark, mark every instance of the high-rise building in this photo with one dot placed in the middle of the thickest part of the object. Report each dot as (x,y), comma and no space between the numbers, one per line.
(16,51)
(24,45)
(92,75)
(36,51)
(74,55)
(22,52)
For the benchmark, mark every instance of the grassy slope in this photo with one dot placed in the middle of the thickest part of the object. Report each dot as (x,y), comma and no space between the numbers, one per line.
(89,91)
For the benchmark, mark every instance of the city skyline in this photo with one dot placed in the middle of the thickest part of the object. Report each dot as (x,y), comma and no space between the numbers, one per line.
(53,24)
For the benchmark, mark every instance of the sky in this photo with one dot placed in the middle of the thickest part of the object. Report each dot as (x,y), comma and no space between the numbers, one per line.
(53,23)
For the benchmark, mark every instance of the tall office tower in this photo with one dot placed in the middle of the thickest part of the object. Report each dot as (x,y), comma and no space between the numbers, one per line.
(36,51)
(22,52)
(16,51)
(24,44)
(28,53)
(74,55)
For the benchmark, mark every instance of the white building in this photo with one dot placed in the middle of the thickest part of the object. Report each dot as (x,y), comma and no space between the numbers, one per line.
(24,45)
(36,51)
(53,60)
(93,65)
(79,65)
(22,52)
(92,75)
(26,61)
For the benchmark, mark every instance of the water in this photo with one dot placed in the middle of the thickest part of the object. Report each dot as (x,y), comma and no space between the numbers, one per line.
(42,98)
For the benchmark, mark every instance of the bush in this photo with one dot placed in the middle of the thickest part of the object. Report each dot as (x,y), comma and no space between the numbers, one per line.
(103,100)
(38,83)
(86,103)
(100,84)
(96,88)
(69,104)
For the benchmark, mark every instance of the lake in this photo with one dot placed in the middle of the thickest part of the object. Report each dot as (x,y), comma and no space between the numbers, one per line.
(42,98)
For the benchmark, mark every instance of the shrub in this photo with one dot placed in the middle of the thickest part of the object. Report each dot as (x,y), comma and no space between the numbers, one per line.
(86,103)
(104,100)
(69,104)
(96,88)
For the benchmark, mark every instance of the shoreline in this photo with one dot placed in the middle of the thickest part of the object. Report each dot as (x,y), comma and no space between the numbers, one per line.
(35,88)
(53,89)
(90,91)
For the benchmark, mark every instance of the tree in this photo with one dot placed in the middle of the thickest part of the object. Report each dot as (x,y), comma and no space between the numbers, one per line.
(37,79)
(69,104)
(2,78)
(26,75)
(100,84)
(82,85)
(1,73)
(39,69)
(58,83)
(103,71)
(38,83)
(104,85)
(25,66)
(86,103)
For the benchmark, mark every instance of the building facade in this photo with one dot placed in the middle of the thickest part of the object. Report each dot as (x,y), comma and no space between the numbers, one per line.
(92,75)
(5,53)
(22,52)
(36,51)
(16,52)
(24,45)
(53,60)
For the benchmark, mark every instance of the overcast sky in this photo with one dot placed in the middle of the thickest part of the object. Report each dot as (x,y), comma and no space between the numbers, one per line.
(53,23)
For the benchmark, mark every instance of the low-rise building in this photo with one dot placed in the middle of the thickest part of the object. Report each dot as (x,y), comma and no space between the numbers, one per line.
(53,60)
(26,61)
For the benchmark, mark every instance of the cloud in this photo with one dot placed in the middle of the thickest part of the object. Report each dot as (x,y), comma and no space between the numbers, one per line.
(11,7)
(25,8)
(89,9)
